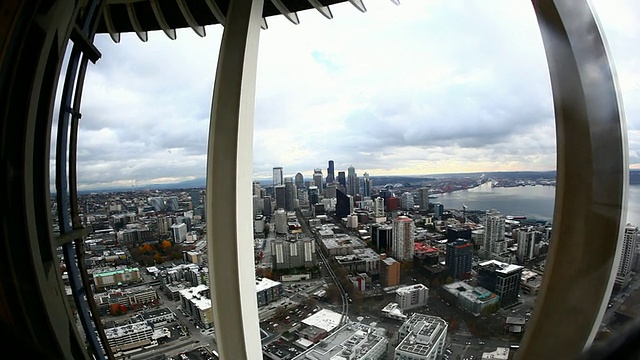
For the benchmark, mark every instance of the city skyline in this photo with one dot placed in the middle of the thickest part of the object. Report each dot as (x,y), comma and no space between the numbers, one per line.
(361,89)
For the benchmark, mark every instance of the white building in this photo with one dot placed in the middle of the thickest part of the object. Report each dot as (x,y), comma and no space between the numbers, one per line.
(352,341)
(406,201)
(412,296)
(129,336)
(393,311)
(500,354)
(494,241)
(422,337)
(628,249)
(378,207)
(179,233)
(403,237)
(526,243)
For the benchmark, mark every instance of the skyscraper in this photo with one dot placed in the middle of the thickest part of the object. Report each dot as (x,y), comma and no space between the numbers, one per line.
(353,184)
(494,242)
(628,249)
(317,178)
(458,258)
(299,181)
(281,197)
(342,180)
(291,194)
(313,195)
(403,236)
(366,185)
(382,236)
(331,177)
(423,198)
(343,206)
(278,176)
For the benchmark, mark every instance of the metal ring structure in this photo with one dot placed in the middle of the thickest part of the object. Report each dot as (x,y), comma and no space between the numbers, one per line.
(590,198)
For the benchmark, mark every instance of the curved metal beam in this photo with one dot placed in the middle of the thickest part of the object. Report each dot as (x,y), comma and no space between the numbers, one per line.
(184,9)
(229,203)
(592,171)
(291,16)
(359,5)
(324,10)
(142,35)
(171,33)
(215,10)
(115,36)
(263,24)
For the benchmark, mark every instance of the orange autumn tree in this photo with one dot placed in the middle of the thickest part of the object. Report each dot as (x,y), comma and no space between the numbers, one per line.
(166,244)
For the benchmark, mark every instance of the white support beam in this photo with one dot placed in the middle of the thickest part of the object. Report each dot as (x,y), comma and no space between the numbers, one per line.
(142,35)
(291,16)
(324,10)
(115,36)
(359,5)
(184,9)
(229,179)
(215,10)
(171,33)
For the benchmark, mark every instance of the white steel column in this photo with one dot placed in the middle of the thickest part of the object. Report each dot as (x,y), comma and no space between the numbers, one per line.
(229,179)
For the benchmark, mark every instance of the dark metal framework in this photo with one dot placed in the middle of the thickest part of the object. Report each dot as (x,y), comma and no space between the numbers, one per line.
(590,198)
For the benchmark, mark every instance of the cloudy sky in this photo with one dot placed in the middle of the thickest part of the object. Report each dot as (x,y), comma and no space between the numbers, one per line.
(422,88)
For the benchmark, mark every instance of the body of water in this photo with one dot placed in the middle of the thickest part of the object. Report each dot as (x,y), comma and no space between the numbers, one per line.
(534,202)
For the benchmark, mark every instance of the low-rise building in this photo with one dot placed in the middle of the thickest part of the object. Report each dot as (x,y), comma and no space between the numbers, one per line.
(130,336)
(393,311)
(530,282)
(475,300)
(351,341)
(412,296)
(268,291)
(422,337)
(196,301)
(500,353)
(115,277)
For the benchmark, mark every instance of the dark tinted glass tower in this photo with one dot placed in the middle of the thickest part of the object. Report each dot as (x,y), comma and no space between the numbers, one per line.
(459,256)
(331,176)
(343,206)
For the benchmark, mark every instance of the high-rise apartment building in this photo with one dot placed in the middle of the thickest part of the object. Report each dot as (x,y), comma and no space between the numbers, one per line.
(353,183)
(366,185)
(378,207)
(526,244)
(331,176)
(459,257)
(406,201)
(494,242)
(628,250)
(502,279)
(423,198)
(403,236)
(278,176)
(314,196)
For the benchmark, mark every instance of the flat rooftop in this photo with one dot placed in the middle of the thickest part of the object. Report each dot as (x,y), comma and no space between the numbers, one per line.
(501,268)
(351,341)
(324,319)
(265,283)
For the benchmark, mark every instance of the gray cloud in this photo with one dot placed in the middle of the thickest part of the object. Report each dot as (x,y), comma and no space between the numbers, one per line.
(424,87)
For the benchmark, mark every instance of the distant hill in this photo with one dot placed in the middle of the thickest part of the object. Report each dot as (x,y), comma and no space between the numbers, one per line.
(634,179)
